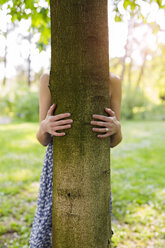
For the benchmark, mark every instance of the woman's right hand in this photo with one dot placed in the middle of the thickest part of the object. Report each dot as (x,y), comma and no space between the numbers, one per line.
(52,123)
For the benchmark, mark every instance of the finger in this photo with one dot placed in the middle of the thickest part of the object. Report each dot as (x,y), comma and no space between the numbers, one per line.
(63,122)
(101,117)
(63,127)
(110,111)
(58,134)
(60,116)
(100,123)
(51,109)
(101,130)
(103,135)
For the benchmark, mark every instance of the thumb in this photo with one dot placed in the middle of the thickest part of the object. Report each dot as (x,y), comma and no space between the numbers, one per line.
(51,109)
(110,111)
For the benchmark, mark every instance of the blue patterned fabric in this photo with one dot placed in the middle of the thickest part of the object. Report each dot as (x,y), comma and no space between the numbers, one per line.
(41,232)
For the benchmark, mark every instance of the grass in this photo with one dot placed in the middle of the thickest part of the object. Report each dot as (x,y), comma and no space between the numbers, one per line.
(138,189)
(21,159)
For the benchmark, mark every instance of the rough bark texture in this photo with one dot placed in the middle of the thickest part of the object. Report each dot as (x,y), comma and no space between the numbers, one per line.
(79,84)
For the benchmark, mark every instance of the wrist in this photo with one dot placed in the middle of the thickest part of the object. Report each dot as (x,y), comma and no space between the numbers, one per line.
(43,127)
(118,128)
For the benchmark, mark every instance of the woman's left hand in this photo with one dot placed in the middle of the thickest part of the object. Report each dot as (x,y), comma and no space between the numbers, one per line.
(109,122)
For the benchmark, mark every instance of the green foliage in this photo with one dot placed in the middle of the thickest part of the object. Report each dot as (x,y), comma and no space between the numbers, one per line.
(131,4)
(3,2)
(20,103)
(159,2)
(39,16)
(26,106)
(117,18)
(147,101)
(156,66)
(156,112)
(134,8)
(134,99)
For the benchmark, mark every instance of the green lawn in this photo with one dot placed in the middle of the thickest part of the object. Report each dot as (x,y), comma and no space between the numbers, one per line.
(138,188)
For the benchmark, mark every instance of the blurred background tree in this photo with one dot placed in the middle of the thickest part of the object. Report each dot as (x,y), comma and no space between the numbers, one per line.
(137,54)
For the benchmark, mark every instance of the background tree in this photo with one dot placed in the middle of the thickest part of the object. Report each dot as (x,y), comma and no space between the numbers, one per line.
(143,33)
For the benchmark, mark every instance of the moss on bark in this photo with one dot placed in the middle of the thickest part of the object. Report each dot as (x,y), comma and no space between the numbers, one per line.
(79,84)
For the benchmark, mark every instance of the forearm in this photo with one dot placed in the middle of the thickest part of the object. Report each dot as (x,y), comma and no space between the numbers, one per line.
(116,138)
(43,137)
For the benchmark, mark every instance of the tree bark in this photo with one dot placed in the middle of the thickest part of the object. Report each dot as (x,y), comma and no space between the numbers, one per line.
(79,84)
(5,56)
(29,38)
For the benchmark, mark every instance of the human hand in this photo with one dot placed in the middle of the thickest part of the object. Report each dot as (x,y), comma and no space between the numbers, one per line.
(110,123)
(53,123)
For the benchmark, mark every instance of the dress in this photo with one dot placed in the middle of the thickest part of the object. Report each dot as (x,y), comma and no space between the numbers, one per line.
(41,232)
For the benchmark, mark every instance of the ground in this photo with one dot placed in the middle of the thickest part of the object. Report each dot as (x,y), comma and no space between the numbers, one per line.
(137,174)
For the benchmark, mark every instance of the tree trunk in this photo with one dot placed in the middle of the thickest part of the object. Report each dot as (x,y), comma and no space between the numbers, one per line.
(79,84)
(29,38)
(5,56)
